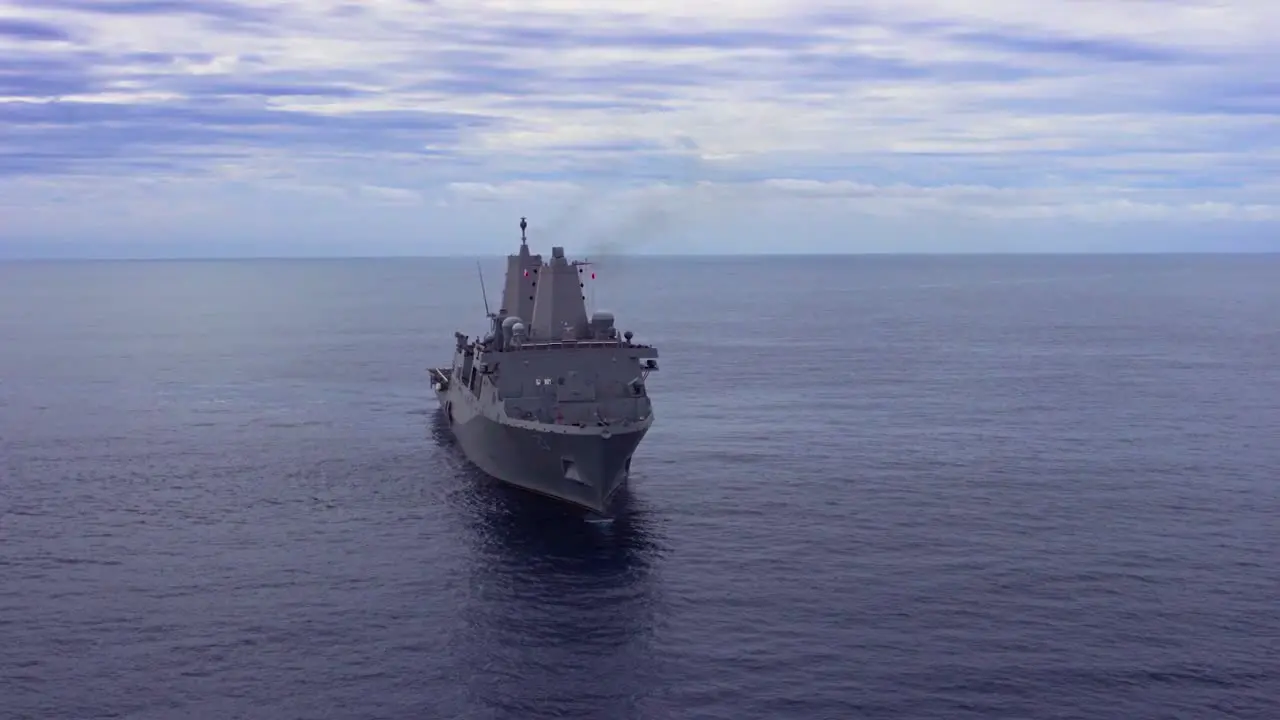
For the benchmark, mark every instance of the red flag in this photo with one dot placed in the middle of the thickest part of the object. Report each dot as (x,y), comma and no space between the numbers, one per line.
(526,273)
(593,276)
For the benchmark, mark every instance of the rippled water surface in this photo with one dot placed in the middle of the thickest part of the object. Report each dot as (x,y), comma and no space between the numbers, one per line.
(878,488)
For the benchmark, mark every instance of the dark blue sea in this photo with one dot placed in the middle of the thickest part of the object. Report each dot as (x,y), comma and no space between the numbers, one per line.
(878,487)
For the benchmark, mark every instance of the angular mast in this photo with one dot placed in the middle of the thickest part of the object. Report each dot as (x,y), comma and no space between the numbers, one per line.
(521,284)
(559,311)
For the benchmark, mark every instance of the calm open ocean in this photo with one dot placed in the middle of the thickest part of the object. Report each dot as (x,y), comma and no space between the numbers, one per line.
(878,487)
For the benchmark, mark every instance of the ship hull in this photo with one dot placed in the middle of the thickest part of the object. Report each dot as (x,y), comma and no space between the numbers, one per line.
(583,469)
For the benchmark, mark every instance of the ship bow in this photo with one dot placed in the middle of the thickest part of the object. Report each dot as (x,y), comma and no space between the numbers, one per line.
(599,465)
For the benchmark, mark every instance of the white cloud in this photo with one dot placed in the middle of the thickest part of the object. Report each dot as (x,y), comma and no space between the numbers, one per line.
(394,195)
(914,110)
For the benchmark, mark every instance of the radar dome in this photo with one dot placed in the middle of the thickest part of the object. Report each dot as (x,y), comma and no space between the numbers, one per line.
(507,324)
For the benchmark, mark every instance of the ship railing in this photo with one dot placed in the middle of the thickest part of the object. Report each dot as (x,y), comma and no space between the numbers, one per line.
(563,344)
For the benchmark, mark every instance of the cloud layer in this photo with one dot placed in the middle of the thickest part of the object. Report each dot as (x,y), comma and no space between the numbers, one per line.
(376,126)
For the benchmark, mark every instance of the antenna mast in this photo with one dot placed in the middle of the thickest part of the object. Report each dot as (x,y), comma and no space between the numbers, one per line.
(483,293)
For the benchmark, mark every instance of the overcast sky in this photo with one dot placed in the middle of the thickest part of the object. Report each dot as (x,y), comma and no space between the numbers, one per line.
(425,127)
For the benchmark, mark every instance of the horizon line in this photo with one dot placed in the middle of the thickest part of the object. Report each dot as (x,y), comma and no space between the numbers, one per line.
(654,256)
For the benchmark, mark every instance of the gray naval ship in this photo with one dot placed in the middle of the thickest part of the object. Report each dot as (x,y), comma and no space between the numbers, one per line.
(550,400)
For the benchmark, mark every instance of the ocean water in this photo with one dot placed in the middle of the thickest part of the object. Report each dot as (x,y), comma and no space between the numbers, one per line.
(878,487)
